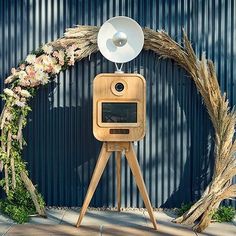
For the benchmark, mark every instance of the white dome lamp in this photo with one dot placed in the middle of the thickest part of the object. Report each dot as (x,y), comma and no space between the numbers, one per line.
(120,40)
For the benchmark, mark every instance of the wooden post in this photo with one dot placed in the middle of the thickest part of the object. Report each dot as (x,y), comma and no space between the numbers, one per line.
(118,178)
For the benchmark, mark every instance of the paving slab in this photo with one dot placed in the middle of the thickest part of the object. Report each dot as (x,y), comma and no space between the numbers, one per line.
(5,220)
(126,218)
(54,216)
(48,230)
(214,229)
(116,230)
(166,227)
(108,223)
(219,229)
(5,224)
(4,228)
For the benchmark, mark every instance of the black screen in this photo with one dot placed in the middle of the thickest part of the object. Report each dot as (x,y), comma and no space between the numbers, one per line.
(119,112)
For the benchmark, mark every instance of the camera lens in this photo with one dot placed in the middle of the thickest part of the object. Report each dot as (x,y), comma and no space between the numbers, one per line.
(119,87)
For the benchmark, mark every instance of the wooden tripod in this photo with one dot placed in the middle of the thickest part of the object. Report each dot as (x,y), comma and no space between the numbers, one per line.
(106,151)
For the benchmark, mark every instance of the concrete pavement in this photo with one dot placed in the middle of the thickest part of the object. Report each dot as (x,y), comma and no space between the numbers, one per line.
(107,223)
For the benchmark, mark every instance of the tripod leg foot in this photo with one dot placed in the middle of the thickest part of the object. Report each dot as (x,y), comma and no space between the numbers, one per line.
(100,166)
(134,166)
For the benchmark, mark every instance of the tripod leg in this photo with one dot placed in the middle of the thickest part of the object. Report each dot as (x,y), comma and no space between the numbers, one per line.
(100,166)
(118,178)
(134,166)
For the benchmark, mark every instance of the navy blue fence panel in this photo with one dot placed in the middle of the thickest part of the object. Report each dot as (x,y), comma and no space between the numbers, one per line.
(176,155)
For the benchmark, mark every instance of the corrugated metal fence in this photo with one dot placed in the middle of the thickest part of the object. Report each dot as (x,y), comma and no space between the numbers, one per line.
(176,154)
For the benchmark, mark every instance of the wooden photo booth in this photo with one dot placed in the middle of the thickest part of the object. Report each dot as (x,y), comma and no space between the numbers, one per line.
(119,107)
(119,115)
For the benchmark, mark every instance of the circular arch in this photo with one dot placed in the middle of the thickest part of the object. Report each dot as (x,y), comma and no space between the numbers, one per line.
(42,66)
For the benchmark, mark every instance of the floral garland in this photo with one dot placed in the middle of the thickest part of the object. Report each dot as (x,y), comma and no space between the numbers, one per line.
(37,69)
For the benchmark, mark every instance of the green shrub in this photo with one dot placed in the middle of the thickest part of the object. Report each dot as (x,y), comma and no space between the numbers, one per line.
(17,213)
(18,205)
(224,214)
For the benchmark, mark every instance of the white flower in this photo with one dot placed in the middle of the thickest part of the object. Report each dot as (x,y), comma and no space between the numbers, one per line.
(8,92)
(22,74)
(61,55)
(47,49)
(71,61)
(42,77)
(38,66)
(45,80)
(48,60)
(70,51)
(25,93)
(13,71)
(31,58)
(56,69)
(23,99)
(19,104)
(8,115)
(9,79)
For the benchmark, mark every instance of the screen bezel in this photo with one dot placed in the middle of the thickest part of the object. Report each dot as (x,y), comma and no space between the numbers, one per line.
(106,124)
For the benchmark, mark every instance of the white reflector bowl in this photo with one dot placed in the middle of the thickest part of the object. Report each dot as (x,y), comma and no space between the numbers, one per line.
(120,39)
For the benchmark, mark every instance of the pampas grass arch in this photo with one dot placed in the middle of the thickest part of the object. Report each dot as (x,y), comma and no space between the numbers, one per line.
(81,42)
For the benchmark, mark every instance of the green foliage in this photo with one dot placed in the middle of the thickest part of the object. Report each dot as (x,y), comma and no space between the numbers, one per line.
(18,205)
(38,52)
(17,213)
(224,214)
(22,62)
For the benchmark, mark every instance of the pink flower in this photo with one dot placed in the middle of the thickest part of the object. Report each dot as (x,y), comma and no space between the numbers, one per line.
(61,62)
(17,89)
(24,82)
(39,59)
(30,71)
(55,54)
